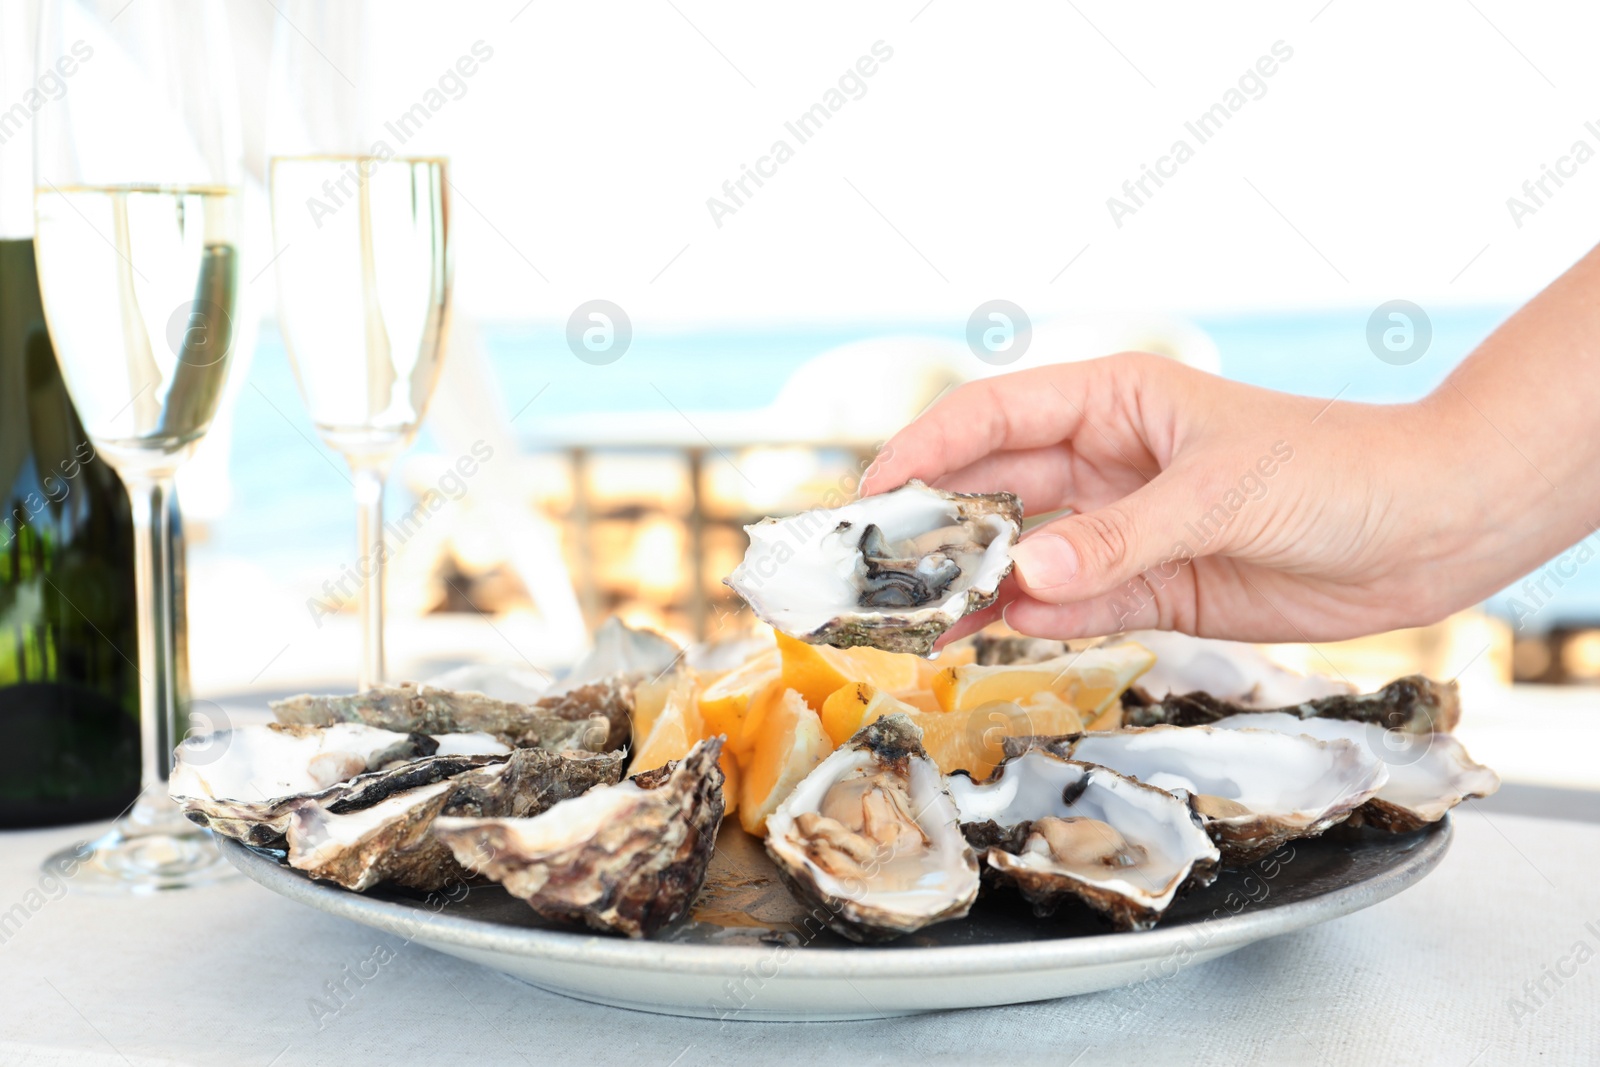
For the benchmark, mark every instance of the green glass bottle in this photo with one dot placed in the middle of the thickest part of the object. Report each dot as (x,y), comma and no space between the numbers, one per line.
(69,691)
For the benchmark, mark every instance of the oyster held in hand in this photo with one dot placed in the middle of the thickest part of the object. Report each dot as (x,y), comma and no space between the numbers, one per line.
(627,858)
(892,571)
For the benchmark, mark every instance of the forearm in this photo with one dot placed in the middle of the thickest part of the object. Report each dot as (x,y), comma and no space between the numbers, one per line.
(1377,517)
(1519,432)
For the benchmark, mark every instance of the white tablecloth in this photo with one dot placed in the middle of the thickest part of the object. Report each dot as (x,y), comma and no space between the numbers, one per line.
(1449,972)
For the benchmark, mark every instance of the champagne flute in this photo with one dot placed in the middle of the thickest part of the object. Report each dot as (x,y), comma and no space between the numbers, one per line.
(137,168)
(360,223)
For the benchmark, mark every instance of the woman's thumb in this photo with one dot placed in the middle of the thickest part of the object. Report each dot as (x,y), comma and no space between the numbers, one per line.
(1092,553)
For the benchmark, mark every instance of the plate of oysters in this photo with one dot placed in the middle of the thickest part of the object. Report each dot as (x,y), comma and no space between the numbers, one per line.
(825,820)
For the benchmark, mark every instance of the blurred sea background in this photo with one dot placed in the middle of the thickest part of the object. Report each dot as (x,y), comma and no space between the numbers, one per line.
(938,186)
(290,503)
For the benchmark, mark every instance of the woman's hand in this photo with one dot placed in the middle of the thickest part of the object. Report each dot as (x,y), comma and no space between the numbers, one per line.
(1220,509)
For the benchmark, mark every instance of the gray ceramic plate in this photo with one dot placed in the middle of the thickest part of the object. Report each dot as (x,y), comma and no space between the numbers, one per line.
(748,951)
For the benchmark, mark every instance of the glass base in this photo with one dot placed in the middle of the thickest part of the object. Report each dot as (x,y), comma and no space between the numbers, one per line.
(151,848)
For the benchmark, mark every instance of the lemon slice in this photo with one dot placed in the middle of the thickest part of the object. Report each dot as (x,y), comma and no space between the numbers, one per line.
(724,703)
(1089,681)
(970,741)
(815,671)
(791,744)
(850,707)
(956,656)
(675,728)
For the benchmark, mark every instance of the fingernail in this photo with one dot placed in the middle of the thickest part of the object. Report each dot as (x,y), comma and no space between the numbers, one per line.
(1045,560)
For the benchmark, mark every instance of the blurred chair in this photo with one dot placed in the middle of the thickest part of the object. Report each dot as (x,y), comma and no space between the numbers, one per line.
(467,410)
(1072,339)
(866,390)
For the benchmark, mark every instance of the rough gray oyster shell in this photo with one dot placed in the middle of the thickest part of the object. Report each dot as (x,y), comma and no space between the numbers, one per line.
(994,650)
(1057,829)
(628,858)
(619,650)
(392,841)
(592,717)
(1414,704)
(892,571)
(870,839)
(246,782)
(1253,789)
(1428,773)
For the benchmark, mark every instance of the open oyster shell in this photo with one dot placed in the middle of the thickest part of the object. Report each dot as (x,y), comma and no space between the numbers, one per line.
(619,650)
(892,571)
(1198,680)
(871,840)
(626,858)
(392,841)
(1414,704)
(1233,671)
(247,782)
(1005,650)
(592,716)
(1428,773)
(1253,789)
(1059,829)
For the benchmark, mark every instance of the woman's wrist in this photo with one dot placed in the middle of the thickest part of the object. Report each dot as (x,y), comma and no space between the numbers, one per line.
(1483,511)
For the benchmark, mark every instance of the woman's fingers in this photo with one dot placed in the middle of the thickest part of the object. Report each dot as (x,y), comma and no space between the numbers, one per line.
(961,428)
(1084,556)
(1027,410)
(1133,609)
(970,624)
(1050,479)
(1043,478)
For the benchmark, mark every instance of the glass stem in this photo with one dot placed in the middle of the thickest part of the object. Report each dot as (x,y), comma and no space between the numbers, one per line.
(369,479)
(151,497)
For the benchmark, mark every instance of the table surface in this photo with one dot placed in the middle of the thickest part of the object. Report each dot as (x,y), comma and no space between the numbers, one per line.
(236,975)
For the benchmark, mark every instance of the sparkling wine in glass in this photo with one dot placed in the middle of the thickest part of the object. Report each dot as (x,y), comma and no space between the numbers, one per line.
(136,204)
(361,233)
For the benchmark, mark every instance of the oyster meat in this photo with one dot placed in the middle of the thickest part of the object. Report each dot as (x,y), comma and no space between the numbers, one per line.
(592,717)
(246,782)
(1253,789)
(626,858)
(1059,829)
(870,839)
(1428,773)
(392,841)
(1414,704)
(892,571)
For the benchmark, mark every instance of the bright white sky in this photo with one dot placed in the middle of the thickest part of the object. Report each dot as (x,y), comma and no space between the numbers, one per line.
(1376,166)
